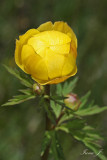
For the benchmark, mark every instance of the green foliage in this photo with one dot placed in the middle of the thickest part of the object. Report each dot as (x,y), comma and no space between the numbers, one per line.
(87,109)
(50,113)
(56,148)
(84,133)
(73,122)
(46,142)
(27,93)
(19,99)
(61,116)
(57,107)
(84,99)
(56,93)
(68,87)
(59,93)
(25,79)
(51,140)
(91,111)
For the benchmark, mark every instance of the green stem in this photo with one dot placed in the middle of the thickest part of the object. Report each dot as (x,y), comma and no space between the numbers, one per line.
(48,122)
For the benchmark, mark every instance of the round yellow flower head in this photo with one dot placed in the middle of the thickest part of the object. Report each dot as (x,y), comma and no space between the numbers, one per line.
(48,53)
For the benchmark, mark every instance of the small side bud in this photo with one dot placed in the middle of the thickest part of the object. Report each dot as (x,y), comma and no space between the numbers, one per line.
(38,89)
(72,101)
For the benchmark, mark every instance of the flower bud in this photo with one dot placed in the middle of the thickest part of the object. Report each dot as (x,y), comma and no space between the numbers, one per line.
(72,101)
(38,89)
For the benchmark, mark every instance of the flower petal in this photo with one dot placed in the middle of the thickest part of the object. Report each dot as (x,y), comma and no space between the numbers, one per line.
(73,49)
(18,54)
(61,49)
(53,81)
(64,27)
(59,80)
(19,43)
(27,51)
(39,71)
(39,45)
(33,63)
(69,64)
(45,26)
(51,38)
(24,38)
(54,63)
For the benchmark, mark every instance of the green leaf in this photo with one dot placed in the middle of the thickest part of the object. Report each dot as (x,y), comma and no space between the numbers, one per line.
(92,133)
(96,150)
(66,117)
(74,124)
(25,79)
(46,142)
(63,128)
(57,97)
(86,134)
(69,86)
(50,113)
(56,108)
(53,89)
(57,104)
(87,109)
(59,89)
(56,93)
(91,111)
(61,103)
(26,91)
(19,99)
(57,150)
(84,99)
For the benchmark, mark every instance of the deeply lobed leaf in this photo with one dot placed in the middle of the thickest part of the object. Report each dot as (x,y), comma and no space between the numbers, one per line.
(19,99)
(25,80)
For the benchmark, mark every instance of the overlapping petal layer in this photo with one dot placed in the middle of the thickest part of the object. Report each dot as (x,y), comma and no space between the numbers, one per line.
(58,26)
(48,53)
(33,63)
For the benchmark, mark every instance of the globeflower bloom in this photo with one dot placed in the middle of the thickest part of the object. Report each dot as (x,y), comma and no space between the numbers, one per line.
(48,53)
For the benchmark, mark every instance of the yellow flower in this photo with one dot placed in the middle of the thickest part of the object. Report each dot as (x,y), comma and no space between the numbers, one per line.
(48,53)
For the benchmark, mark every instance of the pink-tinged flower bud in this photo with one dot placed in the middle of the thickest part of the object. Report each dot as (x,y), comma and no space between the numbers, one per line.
(38,89)
(72,101)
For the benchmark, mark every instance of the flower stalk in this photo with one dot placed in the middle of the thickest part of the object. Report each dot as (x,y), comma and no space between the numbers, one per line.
(48,122)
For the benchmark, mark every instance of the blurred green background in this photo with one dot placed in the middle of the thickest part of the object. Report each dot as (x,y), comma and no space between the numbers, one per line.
(22,126)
